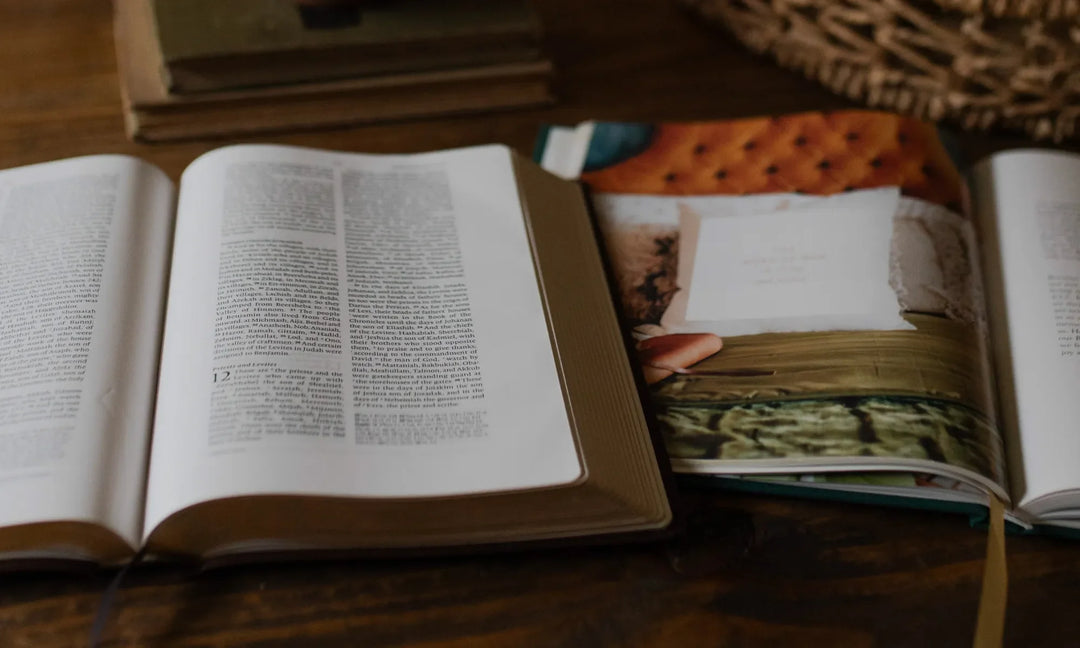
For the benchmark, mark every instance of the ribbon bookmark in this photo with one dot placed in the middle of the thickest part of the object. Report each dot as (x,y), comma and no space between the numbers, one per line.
(990,624)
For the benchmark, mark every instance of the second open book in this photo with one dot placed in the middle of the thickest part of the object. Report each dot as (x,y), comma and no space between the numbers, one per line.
(825,305)
(358,352)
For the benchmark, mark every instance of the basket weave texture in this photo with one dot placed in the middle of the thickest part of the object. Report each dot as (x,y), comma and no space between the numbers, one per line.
(978,63)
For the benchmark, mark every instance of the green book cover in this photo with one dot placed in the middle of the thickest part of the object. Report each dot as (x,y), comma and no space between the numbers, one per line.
(209,45)
(191,29)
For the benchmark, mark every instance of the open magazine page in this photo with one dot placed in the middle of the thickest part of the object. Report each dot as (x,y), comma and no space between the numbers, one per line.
(1030,201)
(804,291)
(347,325)
(84,247)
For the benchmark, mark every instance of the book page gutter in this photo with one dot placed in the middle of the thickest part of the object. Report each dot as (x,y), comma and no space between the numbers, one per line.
(360,326)
(83,253)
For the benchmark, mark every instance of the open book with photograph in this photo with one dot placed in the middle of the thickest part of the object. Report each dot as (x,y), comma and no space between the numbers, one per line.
(307,350)
(823,304)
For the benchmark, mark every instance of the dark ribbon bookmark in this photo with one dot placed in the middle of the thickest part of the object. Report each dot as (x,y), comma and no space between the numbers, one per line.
(108,600)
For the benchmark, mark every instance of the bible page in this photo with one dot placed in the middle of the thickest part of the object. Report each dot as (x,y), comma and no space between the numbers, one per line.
(350,325)
(84,247)
(1030,204)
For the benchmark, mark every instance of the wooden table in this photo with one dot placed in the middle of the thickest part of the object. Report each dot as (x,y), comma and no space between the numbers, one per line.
(747,571)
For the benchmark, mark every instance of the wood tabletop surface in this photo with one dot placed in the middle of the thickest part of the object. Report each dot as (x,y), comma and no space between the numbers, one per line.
(746,571)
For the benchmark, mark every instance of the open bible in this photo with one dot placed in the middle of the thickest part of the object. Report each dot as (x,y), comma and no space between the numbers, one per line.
(825,305)
(304,350)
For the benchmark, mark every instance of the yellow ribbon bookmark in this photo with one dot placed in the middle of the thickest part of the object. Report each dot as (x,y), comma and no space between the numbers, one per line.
(990,625)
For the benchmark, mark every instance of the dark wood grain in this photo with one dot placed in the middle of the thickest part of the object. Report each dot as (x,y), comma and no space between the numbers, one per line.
(747,571)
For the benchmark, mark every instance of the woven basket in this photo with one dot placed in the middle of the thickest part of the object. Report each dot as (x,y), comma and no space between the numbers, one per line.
(979,63)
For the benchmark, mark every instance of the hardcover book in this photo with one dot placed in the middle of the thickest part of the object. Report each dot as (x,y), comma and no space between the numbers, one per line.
(334,352)
(209,45)
(824,305)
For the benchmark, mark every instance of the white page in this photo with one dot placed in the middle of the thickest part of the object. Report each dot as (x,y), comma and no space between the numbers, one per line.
(566,149)
(1034,198)
(800,269)
(365,439)
(84,246)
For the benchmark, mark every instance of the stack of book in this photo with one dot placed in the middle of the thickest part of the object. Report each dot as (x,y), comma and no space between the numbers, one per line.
(200,68)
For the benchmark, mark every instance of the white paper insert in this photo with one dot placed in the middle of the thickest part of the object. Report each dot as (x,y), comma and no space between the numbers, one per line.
(803,269)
